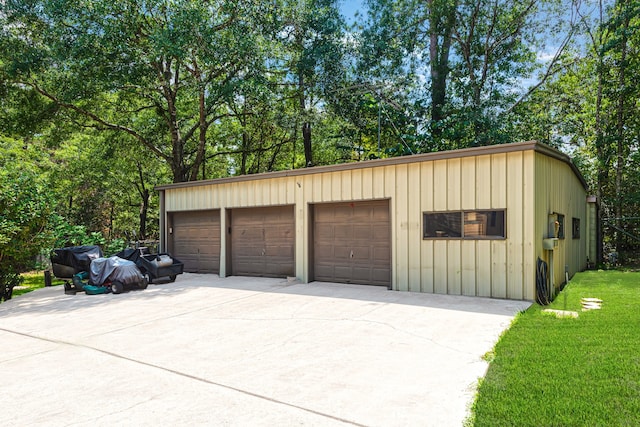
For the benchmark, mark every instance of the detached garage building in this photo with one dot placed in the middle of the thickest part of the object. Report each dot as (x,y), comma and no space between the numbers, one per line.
(464,222)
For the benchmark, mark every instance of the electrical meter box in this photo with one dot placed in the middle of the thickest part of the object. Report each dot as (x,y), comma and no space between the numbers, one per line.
(549,244)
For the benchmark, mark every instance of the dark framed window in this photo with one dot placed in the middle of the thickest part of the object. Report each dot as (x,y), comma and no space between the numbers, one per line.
(485,224)
(556,225)
(442,225)
(560,219)
(575,228)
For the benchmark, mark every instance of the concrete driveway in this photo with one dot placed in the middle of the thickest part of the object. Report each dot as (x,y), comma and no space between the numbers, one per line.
(245,352)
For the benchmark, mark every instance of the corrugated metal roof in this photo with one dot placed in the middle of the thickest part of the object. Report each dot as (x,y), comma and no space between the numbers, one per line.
(451,154)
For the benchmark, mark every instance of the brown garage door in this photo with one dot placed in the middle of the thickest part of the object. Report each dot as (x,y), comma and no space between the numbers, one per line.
(352,243)
(194,239)
(263,241)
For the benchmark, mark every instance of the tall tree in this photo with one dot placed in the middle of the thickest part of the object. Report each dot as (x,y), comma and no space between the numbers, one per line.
(470,54)
(622,49)
(311,37)
(442,19)
(591,107)
(157,71)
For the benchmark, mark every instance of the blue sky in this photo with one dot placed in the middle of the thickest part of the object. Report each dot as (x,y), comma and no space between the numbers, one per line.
(348,8)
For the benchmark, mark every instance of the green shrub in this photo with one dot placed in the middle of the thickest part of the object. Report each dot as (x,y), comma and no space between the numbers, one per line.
(25,208)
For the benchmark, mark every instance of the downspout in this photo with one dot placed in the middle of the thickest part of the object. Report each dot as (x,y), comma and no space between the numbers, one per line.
(162,227)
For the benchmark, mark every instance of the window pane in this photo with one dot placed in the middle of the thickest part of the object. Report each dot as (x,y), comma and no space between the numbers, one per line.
(485,224)
(443,224)
(561,229)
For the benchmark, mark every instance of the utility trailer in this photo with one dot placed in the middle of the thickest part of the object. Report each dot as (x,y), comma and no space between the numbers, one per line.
(154,266)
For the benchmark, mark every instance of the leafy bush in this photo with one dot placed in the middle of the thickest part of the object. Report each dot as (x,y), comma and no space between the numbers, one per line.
(25,207)
(114,246)
(8,280)
(66,234)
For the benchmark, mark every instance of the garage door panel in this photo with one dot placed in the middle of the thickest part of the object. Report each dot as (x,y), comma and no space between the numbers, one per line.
(383,275)
(361,216)
(203,233)
(277,242)
(195,240)
(324,216)
(285,252)
(241,267)
(381,254)
(361,254)
(262,241)
(249,234)
(355,246)
(324,251)
(361,273)
(342,212)
(343,231)
(183,250)
(278,270)
(325,230)
(323,271)
(363,232)
(381,232)
(340,253)
(343,273)
(380,213)
(278,234)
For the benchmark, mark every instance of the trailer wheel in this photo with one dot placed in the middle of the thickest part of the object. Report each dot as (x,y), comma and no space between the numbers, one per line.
(68,289)
(172,278)
(117,287)
(147,276)
(144,283)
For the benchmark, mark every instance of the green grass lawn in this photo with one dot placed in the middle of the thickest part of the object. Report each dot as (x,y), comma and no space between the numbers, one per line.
(548,371)
(33,280)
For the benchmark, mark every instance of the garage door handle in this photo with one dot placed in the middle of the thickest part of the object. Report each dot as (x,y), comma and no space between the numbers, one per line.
(263,252)
(351,256)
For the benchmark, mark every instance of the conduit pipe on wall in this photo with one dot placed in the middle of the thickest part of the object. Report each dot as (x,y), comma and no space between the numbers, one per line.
(550,245)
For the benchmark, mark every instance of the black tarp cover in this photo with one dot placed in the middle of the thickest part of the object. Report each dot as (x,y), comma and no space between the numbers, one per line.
(78,257)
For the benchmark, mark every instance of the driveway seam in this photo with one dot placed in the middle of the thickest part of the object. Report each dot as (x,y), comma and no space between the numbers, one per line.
(185,375)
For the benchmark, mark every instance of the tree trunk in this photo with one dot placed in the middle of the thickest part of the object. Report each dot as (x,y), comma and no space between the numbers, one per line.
(177,155)
(439,48)
(245,154)
(620,125)
(145,195)
(306,139)
(306,126)
(111,216)
(202,135)
(144,209)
